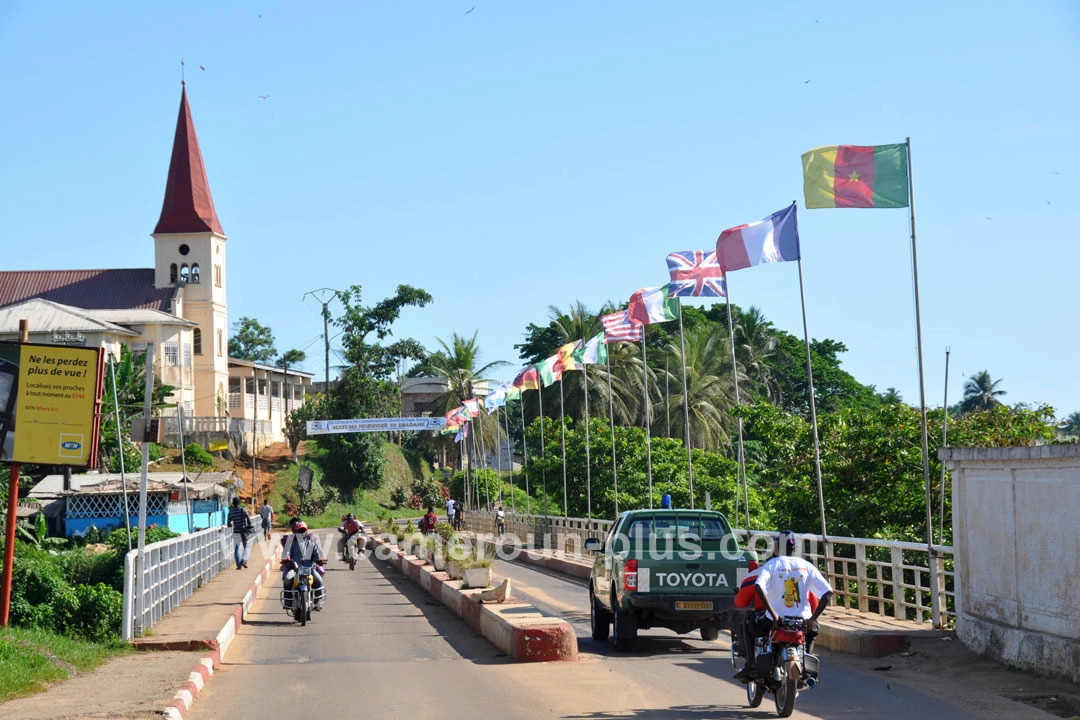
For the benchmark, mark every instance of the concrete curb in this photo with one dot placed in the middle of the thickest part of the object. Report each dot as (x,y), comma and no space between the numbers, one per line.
(514,627)
(179,706)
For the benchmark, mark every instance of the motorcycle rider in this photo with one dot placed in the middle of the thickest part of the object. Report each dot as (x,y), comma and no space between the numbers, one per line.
(787,581)
(301,548)
(349,527)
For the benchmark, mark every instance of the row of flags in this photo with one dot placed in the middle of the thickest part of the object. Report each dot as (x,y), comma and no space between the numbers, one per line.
(834,176)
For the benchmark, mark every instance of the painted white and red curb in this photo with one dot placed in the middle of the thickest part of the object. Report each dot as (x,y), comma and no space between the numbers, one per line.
(179,706)
(513,626)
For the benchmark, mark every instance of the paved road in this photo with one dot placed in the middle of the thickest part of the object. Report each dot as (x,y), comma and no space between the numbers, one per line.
(382,648)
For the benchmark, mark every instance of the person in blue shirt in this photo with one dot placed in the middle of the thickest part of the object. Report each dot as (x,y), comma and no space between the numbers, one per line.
(243,532)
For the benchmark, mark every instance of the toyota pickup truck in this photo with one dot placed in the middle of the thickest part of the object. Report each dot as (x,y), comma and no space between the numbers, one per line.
(676,569)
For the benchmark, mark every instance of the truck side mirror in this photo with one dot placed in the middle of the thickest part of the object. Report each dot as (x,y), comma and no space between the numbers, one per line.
(593,545)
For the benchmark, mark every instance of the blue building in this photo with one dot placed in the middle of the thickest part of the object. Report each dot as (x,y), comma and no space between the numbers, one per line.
(75,504)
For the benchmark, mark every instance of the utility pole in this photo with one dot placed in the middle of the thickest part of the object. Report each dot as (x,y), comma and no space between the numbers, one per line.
(324,300)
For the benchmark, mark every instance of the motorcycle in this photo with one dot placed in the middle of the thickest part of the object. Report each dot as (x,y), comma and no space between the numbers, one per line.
(783,666)
(354,546)
(303,596)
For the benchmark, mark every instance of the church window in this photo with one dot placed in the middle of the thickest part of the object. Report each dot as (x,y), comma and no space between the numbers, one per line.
(196,335)
(172,354)
(173,273)
(184,249)
(219,343)
(184,272)
(217,276)
(195,272)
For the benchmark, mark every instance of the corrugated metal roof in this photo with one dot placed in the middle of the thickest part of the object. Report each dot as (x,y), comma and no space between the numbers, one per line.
(51,316)
(88,289)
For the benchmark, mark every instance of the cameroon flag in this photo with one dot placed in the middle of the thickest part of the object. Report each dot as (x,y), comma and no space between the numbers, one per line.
(856,176)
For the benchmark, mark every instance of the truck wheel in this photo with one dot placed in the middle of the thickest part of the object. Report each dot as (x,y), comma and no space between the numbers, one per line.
(599,619)
(710,633)
(625,629)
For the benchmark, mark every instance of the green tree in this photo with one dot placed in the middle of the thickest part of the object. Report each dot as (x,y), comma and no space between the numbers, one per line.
(1071,425)
(251,341)
(355,460)
(980,393)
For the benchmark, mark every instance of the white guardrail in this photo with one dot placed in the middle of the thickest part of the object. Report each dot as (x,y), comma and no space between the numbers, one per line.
(172,570)
(902,580)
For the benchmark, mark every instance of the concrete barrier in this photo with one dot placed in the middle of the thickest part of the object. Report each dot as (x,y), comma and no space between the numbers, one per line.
(516,628)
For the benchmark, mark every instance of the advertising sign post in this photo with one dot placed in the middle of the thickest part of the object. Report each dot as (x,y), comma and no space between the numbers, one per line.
(50,412)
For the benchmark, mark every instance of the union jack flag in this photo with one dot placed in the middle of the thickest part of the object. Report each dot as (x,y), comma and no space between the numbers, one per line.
(695,273)
(617,327)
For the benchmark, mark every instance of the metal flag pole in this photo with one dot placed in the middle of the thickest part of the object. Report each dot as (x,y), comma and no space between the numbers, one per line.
(611,417)
(645,395)
(483,463)
(524,455)
(120,442)
(935,609)
(543,450)
(813,404)
(562,428)
(944,441)
(686,407)
(735,379)
(588,462)
(509,453)
(183,466)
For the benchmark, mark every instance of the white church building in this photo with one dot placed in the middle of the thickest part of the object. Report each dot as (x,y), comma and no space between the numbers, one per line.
(179,305)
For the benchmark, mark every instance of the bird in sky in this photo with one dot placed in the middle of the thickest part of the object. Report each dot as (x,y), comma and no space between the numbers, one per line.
(201,67)
(263,97)
(470,10)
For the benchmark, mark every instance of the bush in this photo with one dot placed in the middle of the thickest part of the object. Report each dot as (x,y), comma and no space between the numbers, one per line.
(118,538)
(97,614)
(196,456)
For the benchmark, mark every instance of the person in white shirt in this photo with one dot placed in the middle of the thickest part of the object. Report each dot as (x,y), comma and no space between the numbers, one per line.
(500,521)
(450,510)
(785,582)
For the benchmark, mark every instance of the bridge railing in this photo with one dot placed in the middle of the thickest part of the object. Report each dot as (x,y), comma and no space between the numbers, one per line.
(902,580)
(172,570)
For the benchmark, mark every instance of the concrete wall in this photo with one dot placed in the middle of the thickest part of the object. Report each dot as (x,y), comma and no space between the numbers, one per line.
(1016,538)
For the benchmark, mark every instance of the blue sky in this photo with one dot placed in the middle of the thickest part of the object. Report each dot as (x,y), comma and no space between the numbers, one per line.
(532,154)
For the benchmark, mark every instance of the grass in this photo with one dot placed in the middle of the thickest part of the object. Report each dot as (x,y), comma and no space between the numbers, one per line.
(32,659)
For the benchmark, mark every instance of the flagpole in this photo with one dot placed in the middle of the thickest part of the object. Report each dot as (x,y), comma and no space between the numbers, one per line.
(562,430)
(524,454)
(588,462)
(611,417)
(735,378)
(686,407)
(645,395)
(935,609)
(543,451)
(944,441)
(509,454)
(813,412)
(483,462)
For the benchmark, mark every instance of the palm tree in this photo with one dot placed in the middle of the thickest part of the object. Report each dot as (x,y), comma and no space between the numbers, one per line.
(755,343)
(457,364)
(980,393)
(710,387)
(891,396)
(1071,424)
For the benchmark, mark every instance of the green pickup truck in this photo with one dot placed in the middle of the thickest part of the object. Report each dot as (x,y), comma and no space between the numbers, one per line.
(676,569)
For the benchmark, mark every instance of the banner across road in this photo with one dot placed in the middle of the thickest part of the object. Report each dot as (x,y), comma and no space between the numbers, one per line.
(327,427)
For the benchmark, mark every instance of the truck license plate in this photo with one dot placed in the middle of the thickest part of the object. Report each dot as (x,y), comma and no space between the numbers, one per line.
(693,605)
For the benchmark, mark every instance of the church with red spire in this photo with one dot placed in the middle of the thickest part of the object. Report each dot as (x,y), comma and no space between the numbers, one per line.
(179,305)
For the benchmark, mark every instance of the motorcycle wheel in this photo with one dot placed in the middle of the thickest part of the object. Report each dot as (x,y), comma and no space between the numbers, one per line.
(786,691)
(599,619)
(754,693)
(301,608)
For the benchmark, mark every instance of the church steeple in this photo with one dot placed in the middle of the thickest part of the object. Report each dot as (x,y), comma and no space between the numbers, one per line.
(188,206)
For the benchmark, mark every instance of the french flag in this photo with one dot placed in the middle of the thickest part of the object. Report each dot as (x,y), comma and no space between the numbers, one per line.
(774,239)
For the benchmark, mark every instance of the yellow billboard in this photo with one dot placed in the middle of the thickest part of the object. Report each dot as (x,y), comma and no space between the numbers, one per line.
(50,403)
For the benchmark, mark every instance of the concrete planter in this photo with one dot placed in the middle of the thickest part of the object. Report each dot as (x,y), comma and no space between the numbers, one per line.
(439,560)
(479,577)
(453,569)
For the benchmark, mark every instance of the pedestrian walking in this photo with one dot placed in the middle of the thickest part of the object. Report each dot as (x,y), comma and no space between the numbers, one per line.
(267,514)
(242,533)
